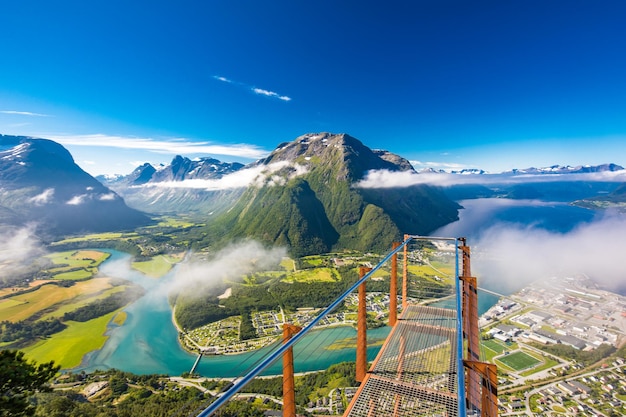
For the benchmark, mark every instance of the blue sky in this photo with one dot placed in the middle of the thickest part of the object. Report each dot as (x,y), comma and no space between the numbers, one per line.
(451,84)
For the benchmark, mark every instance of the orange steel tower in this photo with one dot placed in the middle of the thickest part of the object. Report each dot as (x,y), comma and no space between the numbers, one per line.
(481,378)
(289,391)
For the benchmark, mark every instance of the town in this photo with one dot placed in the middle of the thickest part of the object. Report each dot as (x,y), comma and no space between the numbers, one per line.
(521,331)
(222,337)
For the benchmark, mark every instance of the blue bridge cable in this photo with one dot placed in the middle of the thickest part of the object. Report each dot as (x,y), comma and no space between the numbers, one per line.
(238,385)
(460,370)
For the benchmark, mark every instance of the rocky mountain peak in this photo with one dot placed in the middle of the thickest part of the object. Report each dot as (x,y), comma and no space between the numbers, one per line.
(346,155)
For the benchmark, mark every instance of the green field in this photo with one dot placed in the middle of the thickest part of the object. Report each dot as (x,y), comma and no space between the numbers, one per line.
(493,345)
(76,265)
(548,363)
(68,347)
(157,266)
(518,361)
(312,261)
(78,258)
(490,349)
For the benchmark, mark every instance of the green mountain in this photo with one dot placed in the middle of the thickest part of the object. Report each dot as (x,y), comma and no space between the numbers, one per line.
(308,199)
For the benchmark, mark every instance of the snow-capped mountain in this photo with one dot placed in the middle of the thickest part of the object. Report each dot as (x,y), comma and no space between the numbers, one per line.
(40,184)
(154,189)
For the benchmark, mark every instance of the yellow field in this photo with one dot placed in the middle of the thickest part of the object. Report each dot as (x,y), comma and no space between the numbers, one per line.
(13,290)
(23,306)
(68,347)
(96,255)
(445,272)
(382,274)
(82,301)
(120,318)
(287,264)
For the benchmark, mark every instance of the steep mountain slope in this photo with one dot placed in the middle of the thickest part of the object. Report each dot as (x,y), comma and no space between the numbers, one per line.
(40,184)
(318,207)
(162,190)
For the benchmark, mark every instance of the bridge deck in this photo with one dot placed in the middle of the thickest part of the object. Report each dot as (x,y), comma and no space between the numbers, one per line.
(415,372)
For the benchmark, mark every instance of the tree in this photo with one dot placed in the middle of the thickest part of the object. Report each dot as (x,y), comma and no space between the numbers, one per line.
(19,379)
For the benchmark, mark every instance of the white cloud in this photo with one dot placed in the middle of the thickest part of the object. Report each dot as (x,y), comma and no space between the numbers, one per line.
(24,113)
(17,246)
(383,178)
(223,79)
(513,256)
(42,198)
(77,200)
(230,263)
(270,94)
(174,146)
(255,90)
(107,197)
(257,175)
(445,166)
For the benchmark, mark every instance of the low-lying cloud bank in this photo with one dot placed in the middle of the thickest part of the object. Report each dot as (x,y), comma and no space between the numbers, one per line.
(396,179)
(508,257)
(256,175)
(17,247)
(230,263)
